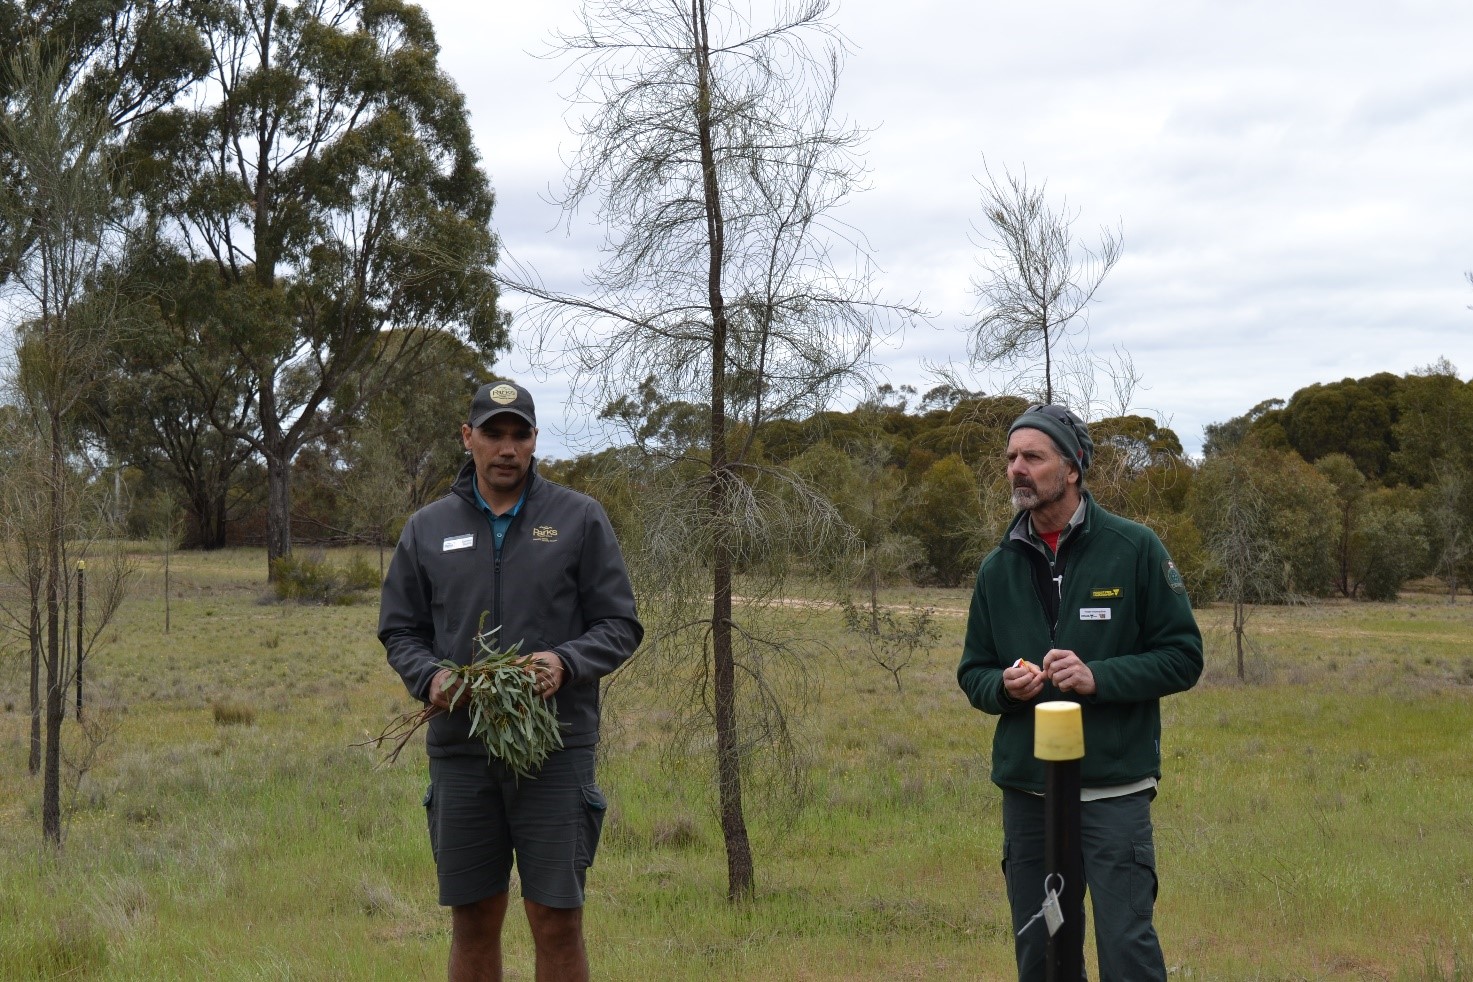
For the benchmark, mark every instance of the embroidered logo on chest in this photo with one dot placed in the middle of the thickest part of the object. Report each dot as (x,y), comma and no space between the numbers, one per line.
(544,533)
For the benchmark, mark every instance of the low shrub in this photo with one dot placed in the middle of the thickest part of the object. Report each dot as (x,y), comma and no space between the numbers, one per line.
(313,580)
(233,714)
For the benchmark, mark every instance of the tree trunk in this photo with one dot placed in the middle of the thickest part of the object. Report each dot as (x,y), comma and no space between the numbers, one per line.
(278,511)
(209,518)
(51,771)
(33,764)
(874,600)
(218,524)
(741,878)
(1239,620)
(740,873)
(1048,364)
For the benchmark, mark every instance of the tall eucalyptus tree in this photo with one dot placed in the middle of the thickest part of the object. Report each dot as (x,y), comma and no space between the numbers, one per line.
(324,170)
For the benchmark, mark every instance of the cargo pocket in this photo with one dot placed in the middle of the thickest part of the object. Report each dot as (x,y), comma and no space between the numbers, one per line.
(595,806)
(1143,879)
(429,803)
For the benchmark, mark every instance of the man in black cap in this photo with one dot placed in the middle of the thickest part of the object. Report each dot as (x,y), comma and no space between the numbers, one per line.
(1081,605)
(540,562)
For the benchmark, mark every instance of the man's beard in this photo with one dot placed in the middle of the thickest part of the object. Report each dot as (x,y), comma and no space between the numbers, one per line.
(1027,497)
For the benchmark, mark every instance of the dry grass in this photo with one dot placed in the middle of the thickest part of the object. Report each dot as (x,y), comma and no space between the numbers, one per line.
(1314,821)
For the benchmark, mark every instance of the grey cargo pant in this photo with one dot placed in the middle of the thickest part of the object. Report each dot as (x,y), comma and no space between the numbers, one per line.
(1119,874)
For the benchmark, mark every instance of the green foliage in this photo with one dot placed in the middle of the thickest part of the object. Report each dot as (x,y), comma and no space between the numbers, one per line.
(1388,546)
(669,426)
(1350,491)
(510,716)
(1184,542)
(1448,515)
(825,467)
(1265,517)
(1434,427)
(409,432)
(975,428)
(327,170)
(892,640)
(1137,442)
(943,512)
(184,432)
(1413,434)
(126,57)
(1221,438)
(309,580)
(1352,416)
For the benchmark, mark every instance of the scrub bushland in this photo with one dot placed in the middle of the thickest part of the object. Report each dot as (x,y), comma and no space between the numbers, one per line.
(1314,821)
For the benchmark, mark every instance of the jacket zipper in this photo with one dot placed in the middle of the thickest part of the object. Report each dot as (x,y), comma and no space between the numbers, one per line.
(496,596)
(1058,578)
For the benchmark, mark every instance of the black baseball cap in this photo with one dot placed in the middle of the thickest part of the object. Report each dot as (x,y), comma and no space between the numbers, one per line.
(501,397)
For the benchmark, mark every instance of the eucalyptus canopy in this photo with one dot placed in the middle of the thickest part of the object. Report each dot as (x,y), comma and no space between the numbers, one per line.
(325,172)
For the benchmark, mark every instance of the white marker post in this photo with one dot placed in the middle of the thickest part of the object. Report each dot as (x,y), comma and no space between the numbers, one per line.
(1058,741)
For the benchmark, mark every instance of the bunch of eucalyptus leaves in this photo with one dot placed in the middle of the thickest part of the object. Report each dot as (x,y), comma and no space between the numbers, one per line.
(499,689)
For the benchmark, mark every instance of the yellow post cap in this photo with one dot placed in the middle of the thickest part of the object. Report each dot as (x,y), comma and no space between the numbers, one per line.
(1058,731)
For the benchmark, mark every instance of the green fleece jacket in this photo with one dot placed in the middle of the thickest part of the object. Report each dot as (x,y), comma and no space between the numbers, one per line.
(1123,610)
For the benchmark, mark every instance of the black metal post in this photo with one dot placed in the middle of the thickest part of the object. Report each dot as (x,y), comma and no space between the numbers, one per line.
(81,612)
(1058,741)
(1063,858)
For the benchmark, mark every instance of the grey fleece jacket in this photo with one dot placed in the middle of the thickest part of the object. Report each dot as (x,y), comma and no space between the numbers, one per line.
(559,585)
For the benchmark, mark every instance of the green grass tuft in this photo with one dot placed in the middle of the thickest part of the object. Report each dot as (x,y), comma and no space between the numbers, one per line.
(229,713)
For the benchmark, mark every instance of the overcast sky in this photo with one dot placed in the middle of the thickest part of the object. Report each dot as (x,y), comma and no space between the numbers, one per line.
(1294,180)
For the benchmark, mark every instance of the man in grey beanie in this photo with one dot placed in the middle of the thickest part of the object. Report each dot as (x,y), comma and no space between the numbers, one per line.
(1081,605)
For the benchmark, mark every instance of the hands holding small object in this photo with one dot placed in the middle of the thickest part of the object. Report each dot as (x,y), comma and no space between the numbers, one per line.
(1024,680)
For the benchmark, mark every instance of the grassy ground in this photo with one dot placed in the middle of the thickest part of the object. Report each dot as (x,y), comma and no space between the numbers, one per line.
(1315,821)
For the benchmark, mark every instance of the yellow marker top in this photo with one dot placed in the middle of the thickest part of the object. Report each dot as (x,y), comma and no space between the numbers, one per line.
(1058,731)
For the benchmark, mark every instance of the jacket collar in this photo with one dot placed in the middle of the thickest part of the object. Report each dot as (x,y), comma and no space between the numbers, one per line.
(1020,531)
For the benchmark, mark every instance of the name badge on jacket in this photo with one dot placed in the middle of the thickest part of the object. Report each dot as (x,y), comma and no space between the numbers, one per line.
(454,542)
(1094,613)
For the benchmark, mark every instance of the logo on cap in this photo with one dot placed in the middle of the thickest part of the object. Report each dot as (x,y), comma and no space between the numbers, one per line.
(503,394)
